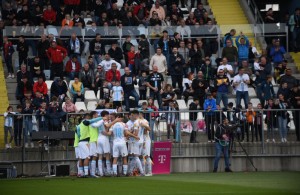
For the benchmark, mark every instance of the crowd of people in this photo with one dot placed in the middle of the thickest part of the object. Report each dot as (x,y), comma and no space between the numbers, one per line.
(180,55)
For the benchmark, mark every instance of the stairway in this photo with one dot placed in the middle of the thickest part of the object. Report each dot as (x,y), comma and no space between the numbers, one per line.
(229,15)
(4,101)
(296,58)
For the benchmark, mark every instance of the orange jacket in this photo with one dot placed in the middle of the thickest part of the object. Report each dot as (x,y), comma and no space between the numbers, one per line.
(250,115)
(42,88)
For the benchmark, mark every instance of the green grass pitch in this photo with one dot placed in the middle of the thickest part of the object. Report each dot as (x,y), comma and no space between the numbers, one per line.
(273,183)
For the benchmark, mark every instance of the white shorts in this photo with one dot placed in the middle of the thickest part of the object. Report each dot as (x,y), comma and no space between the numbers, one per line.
(84,150)
(120,149)
(93,149)
(129,147)
(137,148)
(76,152)
(147,147)
(103,146)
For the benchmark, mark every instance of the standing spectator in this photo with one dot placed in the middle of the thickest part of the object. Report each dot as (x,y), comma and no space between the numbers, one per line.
(242,44)
(97,48)
(113,75)
(241,82)
(128,80)
(22,49)
(172,119)
(99,77)
(258,123)
(18,126)
(159,10)
(41,86)
(8,126)
(55,115)
(143,86)
(117,95)
(24,16)
(250,117)
(288,78)
(42,117)
(126,48)
(267,91)
(24,86)
(176,69)
(159,60)
(183,29)
(284,90)
(184,51)
(294,23)
(36,68)
(187,87)
(8,51)
(115,52)
(277,52)
(49,16)
(131,56)
(87,78)
(42,48)
(168,96)
(228,70)
(210,107)
(27,123)
(222,83)
(75,47)
(231,53)
(59,89)
(107,63)
(155,83)
(141,13)
(56,54)
(228,36)
(193,118)
(196,54)
(200,88)
(270,120)
(78,21)
(77,90)
(72,68)
(164,44)
(282,117)
(199,11)
(144,46)
(208,70)
(262,73)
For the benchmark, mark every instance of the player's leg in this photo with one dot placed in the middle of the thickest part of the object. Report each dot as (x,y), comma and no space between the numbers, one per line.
(93,153)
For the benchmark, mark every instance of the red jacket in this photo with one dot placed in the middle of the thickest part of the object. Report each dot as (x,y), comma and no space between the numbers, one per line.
(109,75)
(49,15)
(131,56)
(57,55)
(40,88)
(72,2)
(69,66)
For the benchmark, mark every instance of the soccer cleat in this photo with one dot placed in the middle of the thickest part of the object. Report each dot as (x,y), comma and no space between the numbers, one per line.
(148,174)
(94,176)
(228,170)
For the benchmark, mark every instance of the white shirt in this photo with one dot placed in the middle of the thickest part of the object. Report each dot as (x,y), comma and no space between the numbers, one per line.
(241,80)
(186,81)
(117,93)
(129,125)
(73,66)
(228,67)
(138,128)
(184,30)
(160,61)
(106,64)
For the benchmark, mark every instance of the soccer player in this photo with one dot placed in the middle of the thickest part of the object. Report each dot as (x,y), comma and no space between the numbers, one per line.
(93,144)
(119,131)
(76,141)
(103,145)
(130,141)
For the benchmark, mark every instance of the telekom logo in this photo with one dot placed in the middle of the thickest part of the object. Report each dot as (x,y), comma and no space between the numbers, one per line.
(162,159)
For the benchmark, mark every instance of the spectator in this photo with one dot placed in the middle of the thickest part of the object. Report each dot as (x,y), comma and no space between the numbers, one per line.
(118,95)
(164,44)
(222,83)
(115,52)
(277,52)
(56,54)
(23,16)
(143,85)
(270,120)
(40,86)
(55,115)
(261,75)
(114,12)
(59,89)
(92,31)
(200,88)
(172,119)
(8,126)
(78,21)
(27,111)
(295,103)
(23,87)
(250,117)
(183,29)
(285,91)
(60,14)
(22,49)
(97,48)
(258,123)
(113,75)
(187,87)
(288,78)
(49,16)
(159,60)
(294,24)
(231,53)
(196,54)
(208,70)
(154,20)
(282,116)
(67,21)
(154,114)
(228,36)
(69,106)
(193,118)
(228,71)
(155,83)
(42,48)
(267,91)
(126,48)
(168,96)
(279,70)
(38,99)
(242,44)
(107,63)
(18,126)
(159,10)
(8,51)
(131,59)
(99,78)
(77,90)
(241,82)
(42,117)
(199,11)
(175,41)
(176,69)
(210,107)
(144,47)
(191,19)
(175,11)
(72,68)
(128,80)
(184,51)
(75,47)
(129,20)
(141,14)
(87,78)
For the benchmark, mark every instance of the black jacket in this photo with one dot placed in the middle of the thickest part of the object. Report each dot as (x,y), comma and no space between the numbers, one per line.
(42,47)
(129,85)
(116,54)
(22,48)
(57,90)
(176,67)
(193,115)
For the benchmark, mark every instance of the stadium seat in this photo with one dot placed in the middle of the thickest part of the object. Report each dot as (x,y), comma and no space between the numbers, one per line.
(89,95)
(182,105)
(91,105)
(70,83)
(80,106)
(254,101)
(251,92)
(184,116)
(98,95)
(49,83)
(142,101)
(47,74)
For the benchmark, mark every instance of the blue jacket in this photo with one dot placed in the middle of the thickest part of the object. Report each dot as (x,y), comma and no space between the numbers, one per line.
(213,106)
(277,56)
(243,49)
(268,90)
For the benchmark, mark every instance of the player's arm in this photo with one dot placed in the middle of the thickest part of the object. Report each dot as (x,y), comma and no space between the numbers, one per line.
(97,124)
(146,126)
(109,125)
(91,121)
(127,133)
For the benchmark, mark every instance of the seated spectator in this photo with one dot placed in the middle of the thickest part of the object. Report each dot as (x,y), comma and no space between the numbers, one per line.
(107,63)
(77,90)
(78,21)
(42,116)
(277,52)
(183,29)
(97,48)
(175,10)
(38,100)
(92,31)
(154,20)
(115,52)
(23,87)
(67,21)
(279,71)
(37,72)
(59,89)
(41,86)
(69,106)
(113,75)
(100,76)
(288,78)
(75,47)
(49,15)
(105,91)
(157,8)
(91,63)
(143,85)
(87,77)
(72,68)
(168,96)
(24,73)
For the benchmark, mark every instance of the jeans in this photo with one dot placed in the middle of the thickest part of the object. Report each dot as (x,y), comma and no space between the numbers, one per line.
(56,70)
(221,149)
(97,59)
(8,62)
(156,95)
(27,129)
(282,122)
(75,96)
(134,94)
(222,96)
(210,126)
(242,95)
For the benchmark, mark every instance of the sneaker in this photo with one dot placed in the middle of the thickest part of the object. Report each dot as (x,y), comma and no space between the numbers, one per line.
(267,140)
(9,76)
(285,140)
(12,76)
(6,146)
(31,144)
(215,170)
(274,141)
(228,170)
(282,140)
(26,145)
(148,174)
(9,145)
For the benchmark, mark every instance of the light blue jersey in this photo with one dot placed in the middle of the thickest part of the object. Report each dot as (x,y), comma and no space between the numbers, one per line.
(118,131)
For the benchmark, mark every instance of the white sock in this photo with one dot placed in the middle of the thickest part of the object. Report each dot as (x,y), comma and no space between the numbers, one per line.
(115,169)
(143,163)
(78,168)
(100,167)
(125,167)
(108,166)
(139,164)
(131,164)
(80,171)
(149,165)
(86,170)
(93,167)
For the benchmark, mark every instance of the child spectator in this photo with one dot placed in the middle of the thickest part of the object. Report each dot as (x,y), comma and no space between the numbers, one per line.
(258,123)
(172,119)
(42,117)
(28,123)
(18,126)
(77,90)
(143,86)
(8,126)
(250,116)
(117,95)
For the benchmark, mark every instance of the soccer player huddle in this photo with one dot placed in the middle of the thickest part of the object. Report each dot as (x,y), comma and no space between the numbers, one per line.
(106,146)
